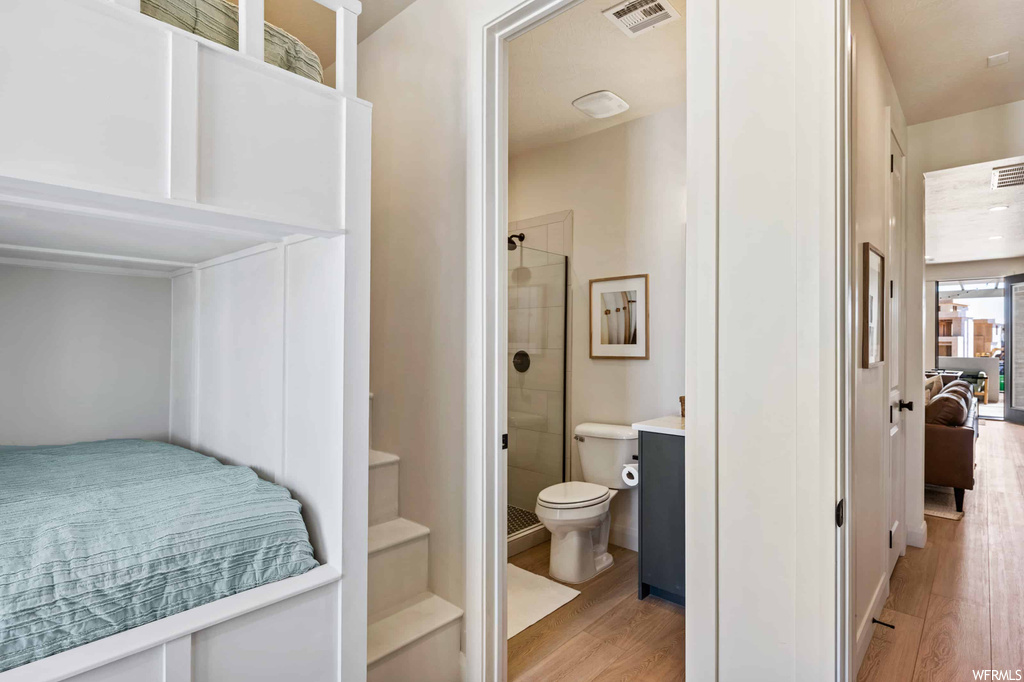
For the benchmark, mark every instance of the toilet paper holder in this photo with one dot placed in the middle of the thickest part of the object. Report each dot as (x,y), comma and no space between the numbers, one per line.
(631,474)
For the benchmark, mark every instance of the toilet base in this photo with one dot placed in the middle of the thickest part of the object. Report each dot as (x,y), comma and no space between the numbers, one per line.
(604,562)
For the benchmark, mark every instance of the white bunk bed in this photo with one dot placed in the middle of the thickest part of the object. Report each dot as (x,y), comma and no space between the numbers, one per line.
(130,147)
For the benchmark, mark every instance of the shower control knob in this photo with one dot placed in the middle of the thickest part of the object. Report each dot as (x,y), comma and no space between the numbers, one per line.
(521,361)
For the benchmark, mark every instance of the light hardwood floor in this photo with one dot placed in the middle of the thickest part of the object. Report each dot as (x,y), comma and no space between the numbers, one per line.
(958,604)
(606,634)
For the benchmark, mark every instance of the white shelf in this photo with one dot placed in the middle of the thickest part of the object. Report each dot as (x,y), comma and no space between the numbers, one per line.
(45,224)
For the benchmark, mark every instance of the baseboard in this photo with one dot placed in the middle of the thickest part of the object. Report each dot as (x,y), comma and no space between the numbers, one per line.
(624,536)
(524,540)
(917,537)
(866,629)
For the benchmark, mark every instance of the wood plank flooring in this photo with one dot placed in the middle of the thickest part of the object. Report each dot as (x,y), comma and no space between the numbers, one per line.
(958,603)
(605,635)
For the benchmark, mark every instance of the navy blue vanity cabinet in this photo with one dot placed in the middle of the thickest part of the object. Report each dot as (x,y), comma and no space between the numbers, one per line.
(662,520)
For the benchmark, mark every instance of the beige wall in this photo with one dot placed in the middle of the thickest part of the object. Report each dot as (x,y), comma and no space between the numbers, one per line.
(626,187)
(418,357)
(873,93)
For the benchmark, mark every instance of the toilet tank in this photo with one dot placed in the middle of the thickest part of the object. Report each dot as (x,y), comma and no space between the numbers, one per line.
(604,448)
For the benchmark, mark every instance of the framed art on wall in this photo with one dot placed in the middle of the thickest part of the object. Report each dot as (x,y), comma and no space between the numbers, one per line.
(620,317)
(873,314)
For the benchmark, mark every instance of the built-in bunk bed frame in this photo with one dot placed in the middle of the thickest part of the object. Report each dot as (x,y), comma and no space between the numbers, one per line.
(129,146)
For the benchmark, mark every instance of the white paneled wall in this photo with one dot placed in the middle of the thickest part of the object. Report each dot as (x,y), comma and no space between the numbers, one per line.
(239,385)
(257,371)
(83,356)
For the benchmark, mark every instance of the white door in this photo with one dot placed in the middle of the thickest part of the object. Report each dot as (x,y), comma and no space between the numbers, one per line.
(897,536)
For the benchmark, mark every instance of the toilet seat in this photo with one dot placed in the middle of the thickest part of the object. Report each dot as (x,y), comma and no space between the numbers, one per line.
(573,495)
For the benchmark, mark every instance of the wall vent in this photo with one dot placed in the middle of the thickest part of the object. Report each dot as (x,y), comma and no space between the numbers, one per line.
(634,17)
(1008,176)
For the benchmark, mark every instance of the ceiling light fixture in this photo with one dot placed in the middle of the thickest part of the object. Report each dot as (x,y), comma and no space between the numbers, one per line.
(993,238)
(601,104)
(997,59)
(999,208)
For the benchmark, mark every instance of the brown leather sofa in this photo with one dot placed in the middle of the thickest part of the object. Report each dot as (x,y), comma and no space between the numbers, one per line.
(949,454)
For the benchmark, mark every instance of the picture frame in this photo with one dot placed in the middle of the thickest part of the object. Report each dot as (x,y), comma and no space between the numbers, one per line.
(620,318)
(873,307)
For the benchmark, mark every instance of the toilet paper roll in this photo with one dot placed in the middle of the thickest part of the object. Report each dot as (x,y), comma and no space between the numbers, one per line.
(630,474)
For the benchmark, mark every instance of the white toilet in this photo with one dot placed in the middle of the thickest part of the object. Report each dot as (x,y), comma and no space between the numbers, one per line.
(577,512)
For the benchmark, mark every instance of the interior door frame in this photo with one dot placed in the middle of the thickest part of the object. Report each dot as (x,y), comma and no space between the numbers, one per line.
(487,533)
(824,599)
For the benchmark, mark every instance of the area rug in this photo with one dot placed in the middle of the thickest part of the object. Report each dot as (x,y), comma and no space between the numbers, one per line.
(531,597)
(940,502)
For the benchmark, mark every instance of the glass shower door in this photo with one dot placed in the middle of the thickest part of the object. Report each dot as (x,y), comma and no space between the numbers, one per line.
(537,288)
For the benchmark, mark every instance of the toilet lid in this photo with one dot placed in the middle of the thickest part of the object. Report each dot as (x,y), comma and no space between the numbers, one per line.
(573,494)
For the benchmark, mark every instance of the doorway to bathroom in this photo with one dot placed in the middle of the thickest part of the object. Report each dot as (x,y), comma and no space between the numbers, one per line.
(590,211)
(538,342)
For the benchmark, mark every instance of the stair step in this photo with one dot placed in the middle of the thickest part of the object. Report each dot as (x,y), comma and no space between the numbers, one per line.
(419,642)
(383,487)
(397,564)
(393,533)
(378,458)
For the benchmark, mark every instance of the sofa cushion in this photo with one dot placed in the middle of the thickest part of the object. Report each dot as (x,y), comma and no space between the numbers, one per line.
(946,409)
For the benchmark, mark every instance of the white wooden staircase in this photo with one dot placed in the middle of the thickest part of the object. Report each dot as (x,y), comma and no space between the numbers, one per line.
(413,634)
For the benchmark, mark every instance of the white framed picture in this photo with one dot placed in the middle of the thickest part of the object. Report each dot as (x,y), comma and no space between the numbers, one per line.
(620,318)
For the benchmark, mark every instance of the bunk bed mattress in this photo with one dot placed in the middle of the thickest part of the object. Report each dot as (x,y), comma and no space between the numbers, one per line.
(102,537)
(217,20)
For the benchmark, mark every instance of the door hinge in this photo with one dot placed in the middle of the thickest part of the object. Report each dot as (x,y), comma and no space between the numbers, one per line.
(892,288)
(504,441)
(890,539)
(892,162)
(890,414)
(840,513)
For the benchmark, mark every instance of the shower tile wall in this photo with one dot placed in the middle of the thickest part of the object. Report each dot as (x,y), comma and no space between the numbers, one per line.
(536,324)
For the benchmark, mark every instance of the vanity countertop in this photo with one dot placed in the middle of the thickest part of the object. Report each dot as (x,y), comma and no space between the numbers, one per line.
(672,426)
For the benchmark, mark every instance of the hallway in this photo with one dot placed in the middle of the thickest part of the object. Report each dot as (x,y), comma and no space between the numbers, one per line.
(958,604)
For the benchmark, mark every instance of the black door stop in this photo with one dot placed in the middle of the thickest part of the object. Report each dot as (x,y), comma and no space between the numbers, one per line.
(888,625)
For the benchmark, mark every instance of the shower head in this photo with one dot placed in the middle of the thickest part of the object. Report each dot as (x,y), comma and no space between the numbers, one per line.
(512,243)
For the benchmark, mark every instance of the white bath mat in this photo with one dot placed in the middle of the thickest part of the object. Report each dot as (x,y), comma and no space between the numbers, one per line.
(531,597)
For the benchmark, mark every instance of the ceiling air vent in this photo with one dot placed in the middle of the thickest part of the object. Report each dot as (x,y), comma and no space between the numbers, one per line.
(634,17)
(1008,176)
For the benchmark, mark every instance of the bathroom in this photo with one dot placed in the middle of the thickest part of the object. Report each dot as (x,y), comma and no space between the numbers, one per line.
(597,214)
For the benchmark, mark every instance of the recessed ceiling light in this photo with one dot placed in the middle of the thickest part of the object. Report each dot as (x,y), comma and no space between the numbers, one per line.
(999,208)
(601,104)
(928,258)
(997,59)
(998,236)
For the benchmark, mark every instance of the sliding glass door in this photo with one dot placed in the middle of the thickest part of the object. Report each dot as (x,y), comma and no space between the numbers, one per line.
(1013,358)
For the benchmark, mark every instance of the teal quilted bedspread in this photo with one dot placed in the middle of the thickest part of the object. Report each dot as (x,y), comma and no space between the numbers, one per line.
(97,538)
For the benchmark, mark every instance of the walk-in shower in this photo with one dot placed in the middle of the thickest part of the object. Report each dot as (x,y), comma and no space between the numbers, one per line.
(537,293)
